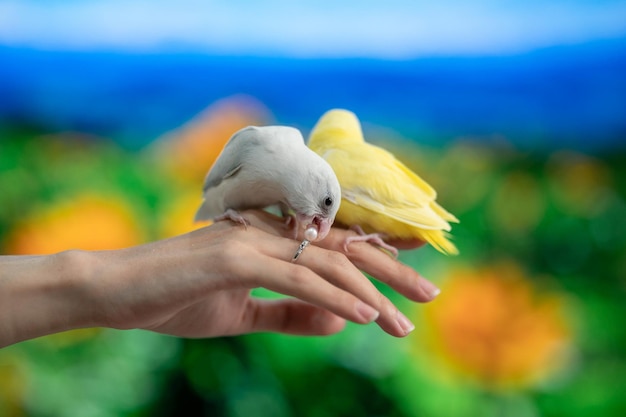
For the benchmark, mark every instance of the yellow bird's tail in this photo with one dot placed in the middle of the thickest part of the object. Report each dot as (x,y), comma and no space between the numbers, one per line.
(440,241)
(443,213)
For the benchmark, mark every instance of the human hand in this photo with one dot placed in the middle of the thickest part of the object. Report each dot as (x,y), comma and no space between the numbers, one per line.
(198,284)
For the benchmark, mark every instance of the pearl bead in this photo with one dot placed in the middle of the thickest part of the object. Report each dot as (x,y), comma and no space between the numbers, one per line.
(310,233)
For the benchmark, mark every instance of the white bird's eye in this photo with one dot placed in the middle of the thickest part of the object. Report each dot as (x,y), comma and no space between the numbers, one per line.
(328,202)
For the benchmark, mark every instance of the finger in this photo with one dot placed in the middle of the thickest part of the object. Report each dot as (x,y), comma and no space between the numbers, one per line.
(269,223)
(298,281)
(366,257)
(302,283)
(392,272)
(290,316)
(340,276)
(382,267)
(341,272)
(403,244)
(406,244)
(336,270)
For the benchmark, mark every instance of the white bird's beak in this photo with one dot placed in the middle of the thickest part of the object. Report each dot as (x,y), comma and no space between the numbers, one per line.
(322,224)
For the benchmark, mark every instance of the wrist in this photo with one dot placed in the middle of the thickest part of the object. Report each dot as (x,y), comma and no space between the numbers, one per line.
(76,287)
(44,294)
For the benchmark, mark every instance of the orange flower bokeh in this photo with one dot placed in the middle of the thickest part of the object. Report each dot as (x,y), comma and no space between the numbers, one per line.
(190,151)
(87,221)
(494,327)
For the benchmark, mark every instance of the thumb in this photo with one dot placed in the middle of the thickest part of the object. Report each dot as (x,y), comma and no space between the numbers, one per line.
(291,316)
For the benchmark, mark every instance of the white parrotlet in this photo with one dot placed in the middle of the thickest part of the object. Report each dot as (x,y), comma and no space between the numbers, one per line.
(268,166)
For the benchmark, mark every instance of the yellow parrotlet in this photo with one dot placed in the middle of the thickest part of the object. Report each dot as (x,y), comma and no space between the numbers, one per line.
(380,195)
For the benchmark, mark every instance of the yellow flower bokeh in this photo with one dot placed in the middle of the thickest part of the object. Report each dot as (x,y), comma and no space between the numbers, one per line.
(580,184)
(13,385)
(87,221)
(464,174)
(177,217)
(518,203)
(493,326)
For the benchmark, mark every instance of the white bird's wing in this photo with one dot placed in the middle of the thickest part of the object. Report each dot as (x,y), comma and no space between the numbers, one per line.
(230,160)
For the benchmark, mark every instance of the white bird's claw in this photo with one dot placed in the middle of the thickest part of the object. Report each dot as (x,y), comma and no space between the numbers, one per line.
(234,216)
(292,223)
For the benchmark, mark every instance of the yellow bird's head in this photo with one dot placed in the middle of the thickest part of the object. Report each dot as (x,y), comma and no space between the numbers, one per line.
(336,127)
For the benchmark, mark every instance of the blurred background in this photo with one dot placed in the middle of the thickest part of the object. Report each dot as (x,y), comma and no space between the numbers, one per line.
(111,112)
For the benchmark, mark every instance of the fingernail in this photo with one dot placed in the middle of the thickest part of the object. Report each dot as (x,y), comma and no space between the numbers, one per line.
(429,288)
(368,313)
(405,323)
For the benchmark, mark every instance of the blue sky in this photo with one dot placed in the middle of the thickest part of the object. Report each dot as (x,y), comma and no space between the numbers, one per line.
(323,28)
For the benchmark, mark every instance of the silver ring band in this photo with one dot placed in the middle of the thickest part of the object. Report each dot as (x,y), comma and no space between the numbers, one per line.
(303,245)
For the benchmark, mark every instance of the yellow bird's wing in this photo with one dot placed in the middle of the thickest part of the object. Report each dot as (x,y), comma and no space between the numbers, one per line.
(373,178)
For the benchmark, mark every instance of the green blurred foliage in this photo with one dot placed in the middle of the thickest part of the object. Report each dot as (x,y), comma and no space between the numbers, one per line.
(561,217)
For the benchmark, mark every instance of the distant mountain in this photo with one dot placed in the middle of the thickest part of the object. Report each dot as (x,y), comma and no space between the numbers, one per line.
(561,96)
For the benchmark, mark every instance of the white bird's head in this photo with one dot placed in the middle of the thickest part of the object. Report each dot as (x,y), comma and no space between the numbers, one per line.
(316,196)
